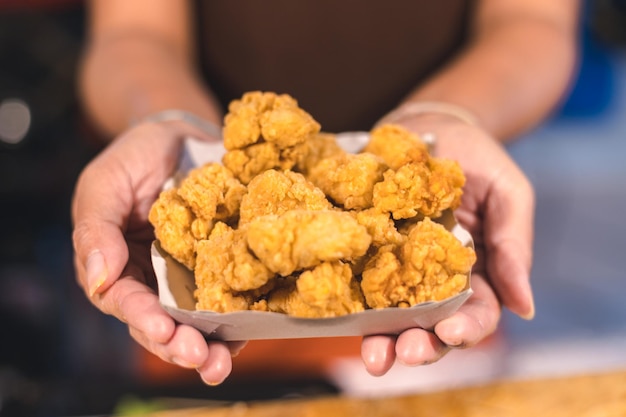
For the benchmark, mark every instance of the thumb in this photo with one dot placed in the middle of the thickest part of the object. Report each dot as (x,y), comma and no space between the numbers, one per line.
(99,216)
(508,240)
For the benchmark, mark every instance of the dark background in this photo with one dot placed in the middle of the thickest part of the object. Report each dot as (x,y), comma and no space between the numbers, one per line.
(59,356)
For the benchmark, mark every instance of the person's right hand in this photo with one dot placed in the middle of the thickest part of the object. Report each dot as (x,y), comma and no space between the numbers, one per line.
(112,239)
(498,210)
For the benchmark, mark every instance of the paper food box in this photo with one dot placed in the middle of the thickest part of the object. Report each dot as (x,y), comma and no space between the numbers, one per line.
(176,285)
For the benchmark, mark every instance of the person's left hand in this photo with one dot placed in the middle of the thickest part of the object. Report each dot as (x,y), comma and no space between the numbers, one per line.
(498,210)
(112,239)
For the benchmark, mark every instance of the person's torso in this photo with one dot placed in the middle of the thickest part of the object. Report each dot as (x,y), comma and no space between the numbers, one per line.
(347,62)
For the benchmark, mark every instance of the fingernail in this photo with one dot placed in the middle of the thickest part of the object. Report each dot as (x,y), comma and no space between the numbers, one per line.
(531,313)
(96,271)
(211,383)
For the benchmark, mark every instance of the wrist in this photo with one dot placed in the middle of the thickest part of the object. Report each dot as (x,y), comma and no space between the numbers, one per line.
(448,129)
(429,109)
(185,123)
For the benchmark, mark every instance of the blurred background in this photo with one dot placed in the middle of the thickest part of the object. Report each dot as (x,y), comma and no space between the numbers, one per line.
(59,356)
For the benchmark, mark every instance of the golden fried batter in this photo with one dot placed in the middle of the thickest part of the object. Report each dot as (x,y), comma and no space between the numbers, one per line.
(380,227)
(264,131)
(212,192)
(251,161)
(396,145)
(425,188)
(224,276)
(290,222)
(268,117)
(177,228)
(416,183)
(275,192)
(430,266)
(321,146)
(300,239)
(348,179)
(328,290)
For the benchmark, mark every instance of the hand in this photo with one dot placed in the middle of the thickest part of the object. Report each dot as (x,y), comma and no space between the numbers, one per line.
(112,240)
(497,209)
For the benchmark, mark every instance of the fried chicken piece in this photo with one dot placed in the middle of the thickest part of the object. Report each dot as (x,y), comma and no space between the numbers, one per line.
(181,216)
(275,192)
(264,131)
(431,265)
(416,183)
(269,117)
(321,146)
(396,145)
(177,228)
(301,239)
(251,161)
(212,192)
(425,188)
(327,290)
(348,179)
(212,293)
(242,126)
(380,227)
(228,277)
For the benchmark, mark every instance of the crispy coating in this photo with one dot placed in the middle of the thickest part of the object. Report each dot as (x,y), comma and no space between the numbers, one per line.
(396,145)
(416,184)
(260,116)
(212,192)
(237,266)
(265,131)
(251,161)
(228,280)
(380,227)
(425,189)
(181,216)
(290,222)
(321,146)
(348,179)
(275,192)
(301,239)
(327,290)
(177,228)
(431,265)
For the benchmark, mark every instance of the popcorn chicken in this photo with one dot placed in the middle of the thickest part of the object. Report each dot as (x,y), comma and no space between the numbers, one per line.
(212,192)
(349,179)
(301,239)
(275,192)
(328,290)
(431,265)
(225,279)
(289,222)
(264,131)
(177,228)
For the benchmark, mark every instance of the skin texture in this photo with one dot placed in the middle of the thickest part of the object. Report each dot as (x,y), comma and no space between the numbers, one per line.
(139,60)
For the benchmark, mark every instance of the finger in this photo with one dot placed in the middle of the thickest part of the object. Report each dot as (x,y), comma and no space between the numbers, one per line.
(186,348)
(218,365)
(508,241)
(121,182)
(134,303)
(419,347)
(477,318)
(378,353)
(99,244)
(137,305)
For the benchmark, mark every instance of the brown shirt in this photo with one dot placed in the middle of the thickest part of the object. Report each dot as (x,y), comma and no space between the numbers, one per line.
(347,62)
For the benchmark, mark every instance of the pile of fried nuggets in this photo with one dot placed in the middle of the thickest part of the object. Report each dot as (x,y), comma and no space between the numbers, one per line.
(291,223)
